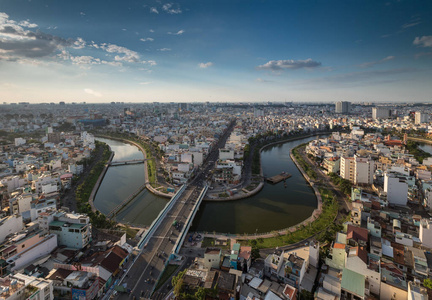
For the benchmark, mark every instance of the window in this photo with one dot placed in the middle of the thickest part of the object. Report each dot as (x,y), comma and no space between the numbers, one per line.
(23,246)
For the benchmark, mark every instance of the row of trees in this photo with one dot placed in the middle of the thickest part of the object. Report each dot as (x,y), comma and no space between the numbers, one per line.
(344,185)
(84,190)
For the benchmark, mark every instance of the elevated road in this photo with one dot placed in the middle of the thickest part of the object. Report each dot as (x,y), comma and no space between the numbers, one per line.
(147,268)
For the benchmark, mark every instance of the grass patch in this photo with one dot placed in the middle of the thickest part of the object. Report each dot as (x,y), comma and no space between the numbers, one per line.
(330,209)
(169,270)
(207,242)
(303,164)
(130,232)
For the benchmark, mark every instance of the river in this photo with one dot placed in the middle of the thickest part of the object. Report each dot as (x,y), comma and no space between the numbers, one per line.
(426,147)
(275,207)
(121,181)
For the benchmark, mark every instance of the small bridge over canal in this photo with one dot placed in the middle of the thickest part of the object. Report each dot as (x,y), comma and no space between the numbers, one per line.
(127,162)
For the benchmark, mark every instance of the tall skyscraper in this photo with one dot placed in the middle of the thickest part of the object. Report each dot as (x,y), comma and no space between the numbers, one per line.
(421,118)
(380,112)
(342,107)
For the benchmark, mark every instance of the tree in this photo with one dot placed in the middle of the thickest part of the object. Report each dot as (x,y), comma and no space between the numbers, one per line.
(255,253)
(177,283)
(427,283)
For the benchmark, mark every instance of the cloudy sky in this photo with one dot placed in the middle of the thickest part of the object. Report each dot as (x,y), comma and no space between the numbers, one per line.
(208,50)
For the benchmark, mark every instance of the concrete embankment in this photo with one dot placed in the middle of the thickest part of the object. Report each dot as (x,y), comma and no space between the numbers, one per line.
(315,214)
(148,185)
(256,190)
(99,181)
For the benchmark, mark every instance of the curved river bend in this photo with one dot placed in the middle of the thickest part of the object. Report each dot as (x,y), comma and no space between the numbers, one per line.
(275,207)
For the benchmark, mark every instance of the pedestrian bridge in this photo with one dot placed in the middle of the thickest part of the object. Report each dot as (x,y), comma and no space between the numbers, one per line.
(127,162)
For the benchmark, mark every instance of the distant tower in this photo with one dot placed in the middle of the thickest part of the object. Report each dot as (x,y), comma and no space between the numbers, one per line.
(342,107)
(381,112)
(420,118)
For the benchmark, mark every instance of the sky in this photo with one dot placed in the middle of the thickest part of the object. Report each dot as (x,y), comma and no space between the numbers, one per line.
(215,50)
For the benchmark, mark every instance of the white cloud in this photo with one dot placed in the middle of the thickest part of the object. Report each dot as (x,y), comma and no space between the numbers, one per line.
(150,62)
(82,13)
(85,60)
(145,82)
(154,10)
(151,30)
(372,63)
(164,49)
(147,39)
(180,32)
(79,43)
(172,8)
(279,65)
(262,80)
(127,54)
(92,92)
(27,24)
(424,41)
(17,42)
(205,65)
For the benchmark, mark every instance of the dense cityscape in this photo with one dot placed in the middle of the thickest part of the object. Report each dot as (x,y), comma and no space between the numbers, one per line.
(65,231)
(206,150)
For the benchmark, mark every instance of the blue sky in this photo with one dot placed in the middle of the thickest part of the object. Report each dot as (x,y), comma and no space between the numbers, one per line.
(205,50)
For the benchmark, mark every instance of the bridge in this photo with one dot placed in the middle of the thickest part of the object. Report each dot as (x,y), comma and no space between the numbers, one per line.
(127,162)
(161,243)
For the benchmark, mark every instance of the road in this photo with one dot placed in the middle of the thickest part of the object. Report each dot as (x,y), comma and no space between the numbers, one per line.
(68,198)
(142,275)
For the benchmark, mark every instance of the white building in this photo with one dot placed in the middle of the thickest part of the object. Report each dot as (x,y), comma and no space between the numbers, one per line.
(226,154)
(15,287)
(73,230)
(380,112)
(396,187)
(425,232)
(347,168)
(9,225)
(19,142)
(342,107)
(421,118)
(364,169)
(75,169)
(32,248)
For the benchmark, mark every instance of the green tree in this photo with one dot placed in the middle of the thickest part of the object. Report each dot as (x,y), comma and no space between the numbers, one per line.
(177,283)
(427,283)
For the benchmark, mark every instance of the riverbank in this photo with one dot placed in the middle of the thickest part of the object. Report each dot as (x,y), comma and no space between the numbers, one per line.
(98,182)
(146,170)
(322,217)
(242,194)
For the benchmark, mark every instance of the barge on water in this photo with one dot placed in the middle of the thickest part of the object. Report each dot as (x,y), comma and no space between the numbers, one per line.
(278,178)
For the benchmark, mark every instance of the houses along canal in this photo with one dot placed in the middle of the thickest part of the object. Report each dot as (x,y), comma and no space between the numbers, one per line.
(275,207)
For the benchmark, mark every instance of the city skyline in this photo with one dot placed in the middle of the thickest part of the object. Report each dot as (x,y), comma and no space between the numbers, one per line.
(145,51)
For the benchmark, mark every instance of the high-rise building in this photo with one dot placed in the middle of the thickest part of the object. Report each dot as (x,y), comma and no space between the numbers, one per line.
(380,112)
(421,118)
(342,107)
(364,169)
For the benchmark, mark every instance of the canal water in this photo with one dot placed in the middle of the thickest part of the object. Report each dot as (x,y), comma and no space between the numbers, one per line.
(121,181)
(275,207)
(426,147)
